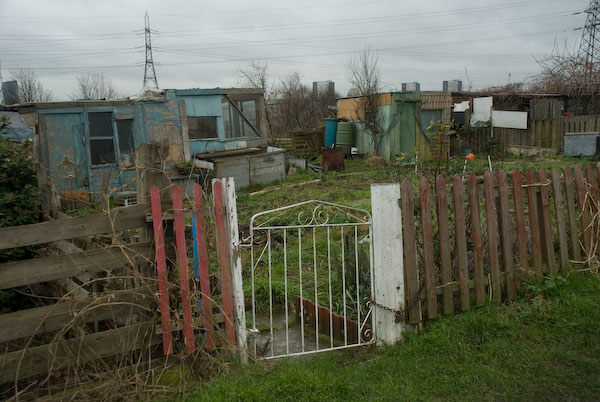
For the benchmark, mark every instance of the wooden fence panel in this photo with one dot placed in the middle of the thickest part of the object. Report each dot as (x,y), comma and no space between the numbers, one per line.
(560,220)
(182,264)
(203,268)
(492,236)
(462,262)
(534,225)
(548,234)
(411,272)
(477,239)
(74,311)
(223,256)
(571,208)
(520,231)
(161,268)
(46,232)
(507,238)
(428,257)
(583,205)
(444,241)
(44,269)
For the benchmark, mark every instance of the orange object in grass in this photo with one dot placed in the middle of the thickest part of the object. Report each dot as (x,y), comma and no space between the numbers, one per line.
(471,157)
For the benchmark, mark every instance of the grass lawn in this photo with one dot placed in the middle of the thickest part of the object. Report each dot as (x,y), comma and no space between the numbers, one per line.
(543,347)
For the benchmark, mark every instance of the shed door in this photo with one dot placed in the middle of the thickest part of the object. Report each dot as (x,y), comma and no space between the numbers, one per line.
(66,152)
(407,128)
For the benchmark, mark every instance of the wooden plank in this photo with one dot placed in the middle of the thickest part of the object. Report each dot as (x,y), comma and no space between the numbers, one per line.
(70,312)
(223,256)
(203,268)
(560,220)
(46,232)
(521,234)
(534,225)
(76,351)
(182,264)
(571,209)
(583,206)
(507,237)
(235,261)
(477,239)
(161,268)
(548,245)
(388,264)
(428,258)
(444,239)
(409,237)
(460,228)
(44,269)
(492,235)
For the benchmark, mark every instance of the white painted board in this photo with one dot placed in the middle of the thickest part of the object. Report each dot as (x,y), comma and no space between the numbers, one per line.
(482,109)
(509,119)
(388,262)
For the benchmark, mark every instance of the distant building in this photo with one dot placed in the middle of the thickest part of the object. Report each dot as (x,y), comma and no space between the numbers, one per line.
(10,92)
(411,86)
(452,86)
(323,86)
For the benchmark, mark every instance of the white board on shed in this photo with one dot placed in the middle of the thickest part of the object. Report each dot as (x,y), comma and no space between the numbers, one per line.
(482,109)
(509,119)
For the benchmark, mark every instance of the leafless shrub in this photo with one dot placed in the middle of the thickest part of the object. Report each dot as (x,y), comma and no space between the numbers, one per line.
(94,86)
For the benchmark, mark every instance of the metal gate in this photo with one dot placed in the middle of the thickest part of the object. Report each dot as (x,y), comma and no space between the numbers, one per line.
(311,279)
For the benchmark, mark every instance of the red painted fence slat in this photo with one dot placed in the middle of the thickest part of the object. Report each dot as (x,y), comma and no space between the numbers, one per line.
(534,225)
(477,239)
(507,237)
(521,234)
(492,232)
(462,262)
(161,267)
(411,272)
(444,242)
(182,263)
(428,258)
(204,272)
(224,266)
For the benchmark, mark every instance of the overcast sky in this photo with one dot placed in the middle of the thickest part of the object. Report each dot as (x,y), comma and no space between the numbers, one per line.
(203,44)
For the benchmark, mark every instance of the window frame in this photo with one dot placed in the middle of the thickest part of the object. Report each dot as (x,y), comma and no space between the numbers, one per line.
(104,137)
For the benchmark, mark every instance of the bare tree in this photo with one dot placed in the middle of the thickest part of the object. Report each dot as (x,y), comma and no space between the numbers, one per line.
(294,108)
(256,75)
(364,75)
(29,87)
(564,72)
(94,86)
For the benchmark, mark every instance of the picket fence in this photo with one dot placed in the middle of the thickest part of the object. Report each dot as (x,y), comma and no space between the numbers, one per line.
(461,253)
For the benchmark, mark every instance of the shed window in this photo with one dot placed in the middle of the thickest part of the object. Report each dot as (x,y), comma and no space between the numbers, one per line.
(202,127)
(435,116)
(126,144)
(235,124)
(102,147)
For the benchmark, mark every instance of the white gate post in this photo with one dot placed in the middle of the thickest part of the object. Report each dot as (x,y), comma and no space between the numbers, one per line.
(388,263)
(235,262)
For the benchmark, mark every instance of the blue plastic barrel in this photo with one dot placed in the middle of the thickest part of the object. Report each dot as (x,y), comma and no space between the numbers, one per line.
(330,132)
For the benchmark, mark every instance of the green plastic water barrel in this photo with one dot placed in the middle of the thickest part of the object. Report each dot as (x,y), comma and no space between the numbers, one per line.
(346,136)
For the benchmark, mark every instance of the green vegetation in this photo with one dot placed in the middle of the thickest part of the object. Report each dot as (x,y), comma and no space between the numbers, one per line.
(542,347)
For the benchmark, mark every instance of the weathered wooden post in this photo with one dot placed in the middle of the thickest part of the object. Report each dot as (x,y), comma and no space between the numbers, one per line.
(388,263)
(227,186)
